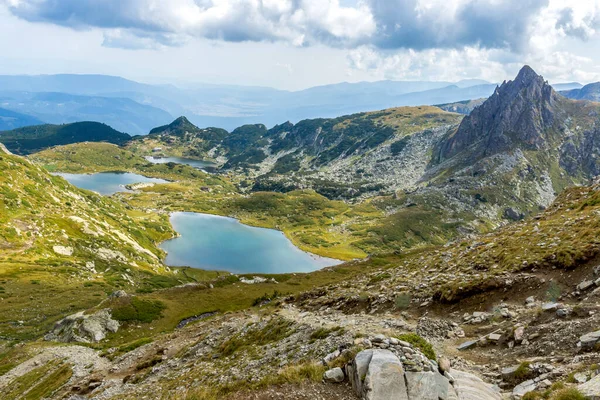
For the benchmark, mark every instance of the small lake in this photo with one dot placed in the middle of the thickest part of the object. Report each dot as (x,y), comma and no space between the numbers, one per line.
(220,243)
(107,183)
(180,160)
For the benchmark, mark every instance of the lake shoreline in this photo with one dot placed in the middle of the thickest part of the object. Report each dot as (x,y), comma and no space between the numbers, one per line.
(304,263)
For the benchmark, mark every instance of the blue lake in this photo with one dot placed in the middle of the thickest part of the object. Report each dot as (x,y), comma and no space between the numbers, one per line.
(220,243)
(180,160)
(107,183)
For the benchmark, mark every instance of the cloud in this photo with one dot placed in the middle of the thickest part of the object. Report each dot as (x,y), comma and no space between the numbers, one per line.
(397,39)
(385,24)
(493,65)
(299,22)
(421,24)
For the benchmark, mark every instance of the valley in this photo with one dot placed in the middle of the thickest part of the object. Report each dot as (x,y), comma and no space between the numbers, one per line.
(467,244)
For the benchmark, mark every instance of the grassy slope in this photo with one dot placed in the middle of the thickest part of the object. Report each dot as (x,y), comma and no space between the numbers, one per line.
(39,211)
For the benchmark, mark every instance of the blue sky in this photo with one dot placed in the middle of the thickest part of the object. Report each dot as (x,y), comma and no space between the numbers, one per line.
(293,44)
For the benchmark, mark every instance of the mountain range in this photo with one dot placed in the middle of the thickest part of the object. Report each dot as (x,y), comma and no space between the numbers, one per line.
(471,242)
(135,108)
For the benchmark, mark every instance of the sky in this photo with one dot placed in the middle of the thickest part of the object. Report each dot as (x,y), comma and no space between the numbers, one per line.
(294,44)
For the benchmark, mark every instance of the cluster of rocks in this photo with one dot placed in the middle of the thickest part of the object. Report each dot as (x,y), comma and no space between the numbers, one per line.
(378,374)
(412,358)
(476,318)
(391,368)
(538,376)
(83,328)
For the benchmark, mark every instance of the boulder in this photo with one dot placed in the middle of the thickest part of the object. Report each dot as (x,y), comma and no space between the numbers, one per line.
(470,387)
(384,378)
(524,387)
(589,340)
(83,328)
(427,386)
(591,389)
(585,285)
(334,375)
(358,369)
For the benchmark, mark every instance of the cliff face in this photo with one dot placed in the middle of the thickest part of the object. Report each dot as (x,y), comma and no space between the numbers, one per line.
(518,114)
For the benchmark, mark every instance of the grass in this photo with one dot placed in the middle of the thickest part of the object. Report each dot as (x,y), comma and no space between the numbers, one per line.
(132,308)
(275,330)
(294,374)
(420,343)
(324,333)
(51,383)
(39,382)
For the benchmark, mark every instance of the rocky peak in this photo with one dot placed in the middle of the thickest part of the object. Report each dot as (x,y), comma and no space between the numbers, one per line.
(518,114)
(177,127)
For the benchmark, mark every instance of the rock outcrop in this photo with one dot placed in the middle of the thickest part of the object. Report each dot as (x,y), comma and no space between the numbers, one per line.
(378,374)
(83,328)
(517,114)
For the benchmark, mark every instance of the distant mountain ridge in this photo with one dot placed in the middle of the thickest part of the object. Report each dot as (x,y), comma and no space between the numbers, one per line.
(588,92)
(225,106)
(11,120)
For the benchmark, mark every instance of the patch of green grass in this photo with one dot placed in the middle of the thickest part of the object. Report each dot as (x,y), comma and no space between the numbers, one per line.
(523,371)
(51,383)
(420,343)
(568,394)
(20,385)
(136,309)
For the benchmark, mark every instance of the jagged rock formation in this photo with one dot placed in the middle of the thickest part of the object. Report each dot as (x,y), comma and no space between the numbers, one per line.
(518,114)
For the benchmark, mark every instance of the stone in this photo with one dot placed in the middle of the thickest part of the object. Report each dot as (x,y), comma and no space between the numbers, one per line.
(585,285)
(581,377)
(524,387)
(378,338)
(425,386)
(467,345)
(519,334)
(470,387)
(509,372)
(589,340)
(530,300)
(494,337)
(561,313)
(334,375)
(358,369)
(591,389)
(444,364)
(384,378)
(550,306)
(63,250)
(330,357)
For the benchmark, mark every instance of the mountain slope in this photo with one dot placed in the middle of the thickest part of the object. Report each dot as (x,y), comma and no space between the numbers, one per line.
(588,92)
(55,237)
(11,120)
(36,138)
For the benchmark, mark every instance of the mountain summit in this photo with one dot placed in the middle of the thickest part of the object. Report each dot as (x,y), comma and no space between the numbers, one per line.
(517,114)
